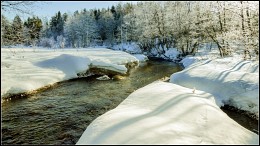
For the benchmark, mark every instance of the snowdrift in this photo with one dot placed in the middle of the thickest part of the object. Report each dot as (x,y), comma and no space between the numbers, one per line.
(27,69)
(166,113)
(231,81)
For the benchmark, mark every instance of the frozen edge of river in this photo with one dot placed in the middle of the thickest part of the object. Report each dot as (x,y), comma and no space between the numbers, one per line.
(25,71)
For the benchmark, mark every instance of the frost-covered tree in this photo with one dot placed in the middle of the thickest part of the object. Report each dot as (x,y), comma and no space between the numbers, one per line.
(70,31)
(46,30)
(106,26)
(130,24)
(185,25)
(47,42)
(60,41)
(81,30)
(57,24)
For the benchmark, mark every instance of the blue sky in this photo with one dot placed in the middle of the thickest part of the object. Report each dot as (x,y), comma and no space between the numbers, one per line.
(50,8)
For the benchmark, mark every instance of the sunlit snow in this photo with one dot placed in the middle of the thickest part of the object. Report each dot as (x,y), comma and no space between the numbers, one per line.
(166,113)
(26,69)
(232,81)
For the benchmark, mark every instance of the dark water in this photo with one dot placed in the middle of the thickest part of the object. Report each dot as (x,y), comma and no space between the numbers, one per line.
(242,118)
(61,114)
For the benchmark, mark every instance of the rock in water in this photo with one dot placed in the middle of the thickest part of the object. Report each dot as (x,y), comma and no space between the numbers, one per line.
(118,77)
(104,77)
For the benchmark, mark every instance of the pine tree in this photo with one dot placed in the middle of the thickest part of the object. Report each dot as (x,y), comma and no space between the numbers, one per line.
(6,31)
(33,29)
(57,24)
(17,30)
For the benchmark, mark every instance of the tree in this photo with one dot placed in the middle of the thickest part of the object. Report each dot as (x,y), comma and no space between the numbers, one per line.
(18,6)
(81,30)
(17,30)
(32,30)
(6,31)
(57,25)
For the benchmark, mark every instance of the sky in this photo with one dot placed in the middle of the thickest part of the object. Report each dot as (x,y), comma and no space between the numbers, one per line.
(47,9)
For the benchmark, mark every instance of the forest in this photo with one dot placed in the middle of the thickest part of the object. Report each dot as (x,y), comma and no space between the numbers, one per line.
(232,26)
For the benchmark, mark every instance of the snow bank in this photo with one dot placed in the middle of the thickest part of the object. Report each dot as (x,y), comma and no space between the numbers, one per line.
(109,66)
(70,65)
(165,113)
(232,81)
(132,48)
(188,60)
(170,54)
(26,69)
(141,57)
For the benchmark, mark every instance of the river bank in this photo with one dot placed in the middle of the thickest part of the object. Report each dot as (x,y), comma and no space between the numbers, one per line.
(60,114)
(154,114)
(27,69)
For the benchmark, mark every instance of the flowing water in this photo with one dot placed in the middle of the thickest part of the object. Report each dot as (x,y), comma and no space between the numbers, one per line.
(61,114)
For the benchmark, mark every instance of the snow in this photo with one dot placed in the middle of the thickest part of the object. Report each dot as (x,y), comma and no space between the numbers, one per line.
(188,60)
(27,69)
(231,80)
(70,65)
(186,110)
(103,78)
(170,53)
(140,57)
(108,65)
(132,48)
(166,113)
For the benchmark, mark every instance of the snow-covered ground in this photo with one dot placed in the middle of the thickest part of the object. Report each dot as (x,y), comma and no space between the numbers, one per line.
(132,48)
(170,54)
(166,113)
(231,80)
(27,69)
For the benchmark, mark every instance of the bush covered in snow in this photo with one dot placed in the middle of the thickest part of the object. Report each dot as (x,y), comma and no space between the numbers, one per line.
(131,48)
(47,42)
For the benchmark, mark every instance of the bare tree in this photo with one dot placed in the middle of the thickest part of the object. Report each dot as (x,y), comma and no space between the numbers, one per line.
(18,6)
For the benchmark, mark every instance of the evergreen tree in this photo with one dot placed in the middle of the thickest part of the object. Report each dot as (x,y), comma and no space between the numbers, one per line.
(33,29)
(57,25)
(17,30)
(6,31)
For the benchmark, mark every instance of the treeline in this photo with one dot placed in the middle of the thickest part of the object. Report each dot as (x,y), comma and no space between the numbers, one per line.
(17,32)
(185,25)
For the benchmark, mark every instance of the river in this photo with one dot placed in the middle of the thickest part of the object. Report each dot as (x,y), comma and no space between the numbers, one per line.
(60,114)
